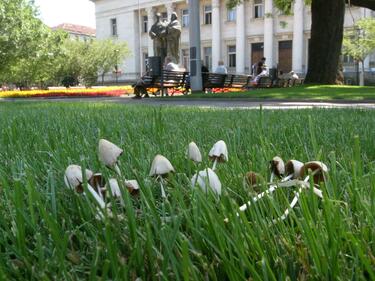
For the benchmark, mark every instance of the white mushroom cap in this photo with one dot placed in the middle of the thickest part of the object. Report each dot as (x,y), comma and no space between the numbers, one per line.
(293,167)
(207,176)
(73,177)
(109,152)
(193,152)
(219,151)
(160,166)
(277,166)
(132,185)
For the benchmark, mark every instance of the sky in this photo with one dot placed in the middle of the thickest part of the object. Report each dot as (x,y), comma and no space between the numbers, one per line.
(54,12)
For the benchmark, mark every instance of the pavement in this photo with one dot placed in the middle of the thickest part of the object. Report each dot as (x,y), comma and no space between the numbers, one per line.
(234,103)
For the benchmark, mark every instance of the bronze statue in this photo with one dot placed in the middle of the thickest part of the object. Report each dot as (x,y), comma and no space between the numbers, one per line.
(173,38)
(158,33)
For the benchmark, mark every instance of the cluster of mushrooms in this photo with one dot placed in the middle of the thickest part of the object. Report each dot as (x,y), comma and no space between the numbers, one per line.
(293,173)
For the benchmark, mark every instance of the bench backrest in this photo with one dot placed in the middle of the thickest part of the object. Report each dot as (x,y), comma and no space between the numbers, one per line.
(213,80)
(174,78)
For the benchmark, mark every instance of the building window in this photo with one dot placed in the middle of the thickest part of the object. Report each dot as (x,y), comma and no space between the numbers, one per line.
(208,14)
(232,56)
(231,14)
(185,58)
(258,9)
(207,51)
(164,16)
(145,24)
(185,18)
(114,27)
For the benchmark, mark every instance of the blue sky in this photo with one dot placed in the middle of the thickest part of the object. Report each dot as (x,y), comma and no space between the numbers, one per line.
(54,12)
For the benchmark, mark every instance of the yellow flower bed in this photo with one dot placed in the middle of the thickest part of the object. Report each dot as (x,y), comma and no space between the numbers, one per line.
(105,91)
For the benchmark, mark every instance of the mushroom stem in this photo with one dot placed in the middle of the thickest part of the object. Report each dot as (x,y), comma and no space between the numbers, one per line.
(214,165)
(261,195)
(272,176)
(163,194)
(117,170)
(295,200)
(96,196)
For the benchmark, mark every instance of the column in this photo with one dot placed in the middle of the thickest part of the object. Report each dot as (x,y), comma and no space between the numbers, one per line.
(137,43)
(150,22)
(298,40)
(171,7)
(268,33)
(366,13)
(216,34)
(240,39)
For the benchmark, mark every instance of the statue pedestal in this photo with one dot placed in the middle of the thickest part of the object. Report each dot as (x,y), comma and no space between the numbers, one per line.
(154,66)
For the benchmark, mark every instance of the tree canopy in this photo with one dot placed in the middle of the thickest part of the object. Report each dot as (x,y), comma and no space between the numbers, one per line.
(33,54)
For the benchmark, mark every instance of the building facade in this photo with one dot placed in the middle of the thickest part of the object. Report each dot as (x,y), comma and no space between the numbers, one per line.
(77,32)
(239,36)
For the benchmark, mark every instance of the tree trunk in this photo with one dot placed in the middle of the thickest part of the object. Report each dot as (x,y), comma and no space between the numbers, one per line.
(362,74)
(327,30)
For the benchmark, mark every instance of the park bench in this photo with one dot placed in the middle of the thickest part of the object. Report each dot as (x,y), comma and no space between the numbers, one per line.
(175,80)
(213,80)
(264,82)
(235,81)
(221,81)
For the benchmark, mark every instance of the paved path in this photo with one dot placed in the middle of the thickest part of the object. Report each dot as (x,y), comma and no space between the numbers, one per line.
(212,103)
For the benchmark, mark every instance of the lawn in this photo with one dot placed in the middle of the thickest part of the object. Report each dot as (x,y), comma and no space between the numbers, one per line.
(49,232)
(325,93)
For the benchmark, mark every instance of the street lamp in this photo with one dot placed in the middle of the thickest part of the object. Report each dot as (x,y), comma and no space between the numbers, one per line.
(195,46)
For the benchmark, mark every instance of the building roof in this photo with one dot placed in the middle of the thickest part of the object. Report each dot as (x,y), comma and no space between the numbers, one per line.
(76,29)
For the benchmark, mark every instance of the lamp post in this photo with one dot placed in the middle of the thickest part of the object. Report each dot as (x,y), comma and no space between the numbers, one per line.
(116,66)
(195,46)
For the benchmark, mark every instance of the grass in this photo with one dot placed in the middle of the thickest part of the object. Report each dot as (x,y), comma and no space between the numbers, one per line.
(325,93)
(50,233)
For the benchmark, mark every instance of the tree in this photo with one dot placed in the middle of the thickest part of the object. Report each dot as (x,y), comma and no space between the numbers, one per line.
(326,36)
(18,30)
(360,42)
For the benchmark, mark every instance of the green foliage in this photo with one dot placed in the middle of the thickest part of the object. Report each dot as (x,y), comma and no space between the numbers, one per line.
(360,41)
(32,54)
(49,232)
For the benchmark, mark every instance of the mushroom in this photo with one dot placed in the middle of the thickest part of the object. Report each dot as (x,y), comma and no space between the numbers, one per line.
(193,153)
(109,154)
(293,168)
(97,181)
(277,167)
(318,169)
(218,153)
(132,186)
(160,168)
(73,179)
(252,179)
(207,176)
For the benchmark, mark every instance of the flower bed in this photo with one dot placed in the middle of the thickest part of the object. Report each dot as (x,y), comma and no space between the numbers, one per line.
(94,92)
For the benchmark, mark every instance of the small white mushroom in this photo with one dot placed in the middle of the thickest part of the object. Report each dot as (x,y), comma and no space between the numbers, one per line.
(318,169)
(109,154)
(194,153)
(160,168)
(277,167)
(218,153)
(207,177)
(132,186)
(73,179)
(293,168)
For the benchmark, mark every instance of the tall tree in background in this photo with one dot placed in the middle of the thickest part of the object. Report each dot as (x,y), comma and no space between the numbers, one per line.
(360,42)
(327,31)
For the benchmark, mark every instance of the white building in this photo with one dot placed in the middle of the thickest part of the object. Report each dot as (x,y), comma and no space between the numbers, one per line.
(240,36)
